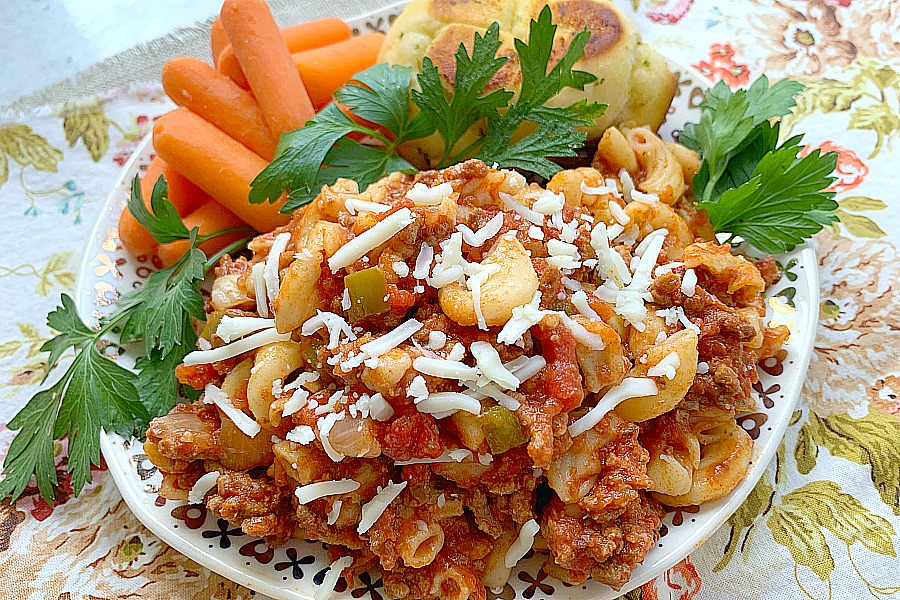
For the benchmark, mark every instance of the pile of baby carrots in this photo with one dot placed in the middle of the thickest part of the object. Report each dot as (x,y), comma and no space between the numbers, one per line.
(265,82)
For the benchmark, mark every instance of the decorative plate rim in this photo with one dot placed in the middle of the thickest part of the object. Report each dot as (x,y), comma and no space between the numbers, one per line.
(719,510)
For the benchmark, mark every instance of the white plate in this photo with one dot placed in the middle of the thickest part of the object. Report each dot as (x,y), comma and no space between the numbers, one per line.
(293,571)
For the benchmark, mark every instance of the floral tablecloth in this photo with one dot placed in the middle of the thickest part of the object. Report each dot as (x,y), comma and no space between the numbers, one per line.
(824,520)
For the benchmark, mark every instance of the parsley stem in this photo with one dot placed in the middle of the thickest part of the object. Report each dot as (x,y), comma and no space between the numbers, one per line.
(212,260)
(204,238)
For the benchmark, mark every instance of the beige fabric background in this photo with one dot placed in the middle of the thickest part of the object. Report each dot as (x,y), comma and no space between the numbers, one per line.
(144,62)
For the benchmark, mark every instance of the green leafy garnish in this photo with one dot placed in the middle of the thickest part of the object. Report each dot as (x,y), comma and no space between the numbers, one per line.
(379,105)
(97,392)
(749,185)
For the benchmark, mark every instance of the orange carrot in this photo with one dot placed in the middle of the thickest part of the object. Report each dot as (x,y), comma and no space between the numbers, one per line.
(215,161)
(183,194)
(298,38)
(325,69)
(267,63)
(195,85)
(218,39)
(209,218)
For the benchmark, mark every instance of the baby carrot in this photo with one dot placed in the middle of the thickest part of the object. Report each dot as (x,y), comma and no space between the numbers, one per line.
(267,63)
(183,194)
(325,69)
(215,161)
(298,38)
(195,85)
(218,39)
(209,218)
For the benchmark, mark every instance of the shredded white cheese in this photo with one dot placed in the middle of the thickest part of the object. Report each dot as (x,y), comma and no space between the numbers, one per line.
(251,342)
(457,455)
(257,272)
(609,188)
(627,183)
(526,367)
(273,283)
(526,213)
(231,328)
(374,508)
(313,491)
(401,269)
(619,213)
(302,434)
(445,369)
(370,239)
(444,404)
(487,231)
(689,283)
(335,512)
(645,198)
(630,387)
(336,325)
(346,303)
(489,364)
(418,389)
(201,487)
(355,205)
(580,301)
(423,261)
(379,408)
(594,341)
(702,367)
(423,195)
(548,203)
(216,396)
(522,544)
(535,233)
(436,340)
(324,426)
(666,367)
(324,591)
(523,318)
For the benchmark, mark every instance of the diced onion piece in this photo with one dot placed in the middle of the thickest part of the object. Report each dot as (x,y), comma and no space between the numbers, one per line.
(444,404)
(488,361)
(418,389)
(324,591)
(246,424)
(201,487)
(526,213)
(231,328)
(273,283)
(370,239)
(257,272)
(522,544)
(251,342)
(423,195)
(631,387)
(313,491)
(374,508)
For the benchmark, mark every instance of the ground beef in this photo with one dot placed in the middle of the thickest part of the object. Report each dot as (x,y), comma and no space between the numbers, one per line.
(257,505)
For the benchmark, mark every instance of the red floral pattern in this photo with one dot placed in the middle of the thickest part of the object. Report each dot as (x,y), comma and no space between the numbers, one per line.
(721,66)
(681,582)
(669,12)
(850,171)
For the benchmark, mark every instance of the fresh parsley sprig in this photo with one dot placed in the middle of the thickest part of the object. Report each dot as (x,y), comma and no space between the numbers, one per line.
(95,391)
(749,185)
(358,136)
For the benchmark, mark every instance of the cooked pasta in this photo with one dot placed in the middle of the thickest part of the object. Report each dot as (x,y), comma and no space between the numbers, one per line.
(467,365)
